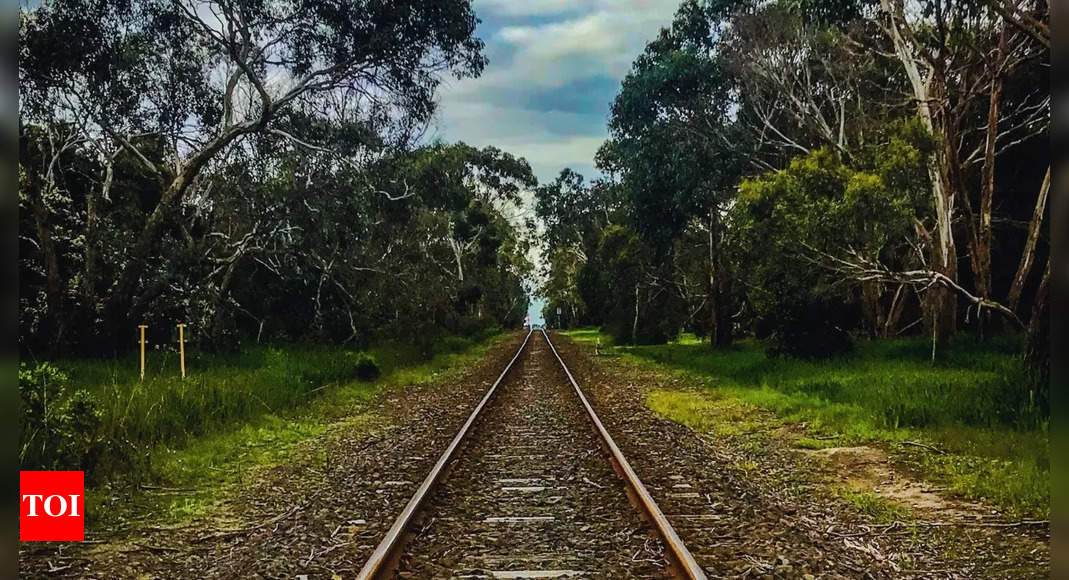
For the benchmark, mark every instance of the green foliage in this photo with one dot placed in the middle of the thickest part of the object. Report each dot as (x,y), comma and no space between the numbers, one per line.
(881,509)
(401,239)
(671,130)
(615,288)
(574,215)
(786,224)
(59,427)
(365,367)
(113,423)
(975,404)
(211,463)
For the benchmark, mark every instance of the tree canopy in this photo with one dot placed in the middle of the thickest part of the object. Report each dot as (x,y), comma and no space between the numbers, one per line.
(805,172)
(257,169)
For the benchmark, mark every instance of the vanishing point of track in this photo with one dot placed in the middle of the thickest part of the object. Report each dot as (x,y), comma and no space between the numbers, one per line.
(527,489)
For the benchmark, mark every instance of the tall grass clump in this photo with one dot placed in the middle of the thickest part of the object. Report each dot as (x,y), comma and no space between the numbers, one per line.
(985,415)
(99,417)
(974,383)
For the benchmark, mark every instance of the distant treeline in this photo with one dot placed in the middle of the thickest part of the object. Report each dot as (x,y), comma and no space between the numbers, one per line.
(815,171)
(256,170)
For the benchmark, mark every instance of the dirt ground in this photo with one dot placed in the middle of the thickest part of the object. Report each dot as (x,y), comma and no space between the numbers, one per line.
(320,515)
(784,515)
(745,509)
(533,494)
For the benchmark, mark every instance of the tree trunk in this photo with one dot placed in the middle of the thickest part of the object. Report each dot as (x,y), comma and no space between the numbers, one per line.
(119,312)
(634,323)
(894,313)
(120,309)
(91,268)
(92,217)
(50,324)
(1028,255)
(980,246)
(455,246)
(719,310)
(50,328)
(219,301)
(1037,344)
(940,303)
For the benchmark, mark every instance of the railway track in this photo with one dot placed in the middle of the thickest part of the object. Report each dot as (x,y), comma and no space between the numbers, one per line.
(532,486)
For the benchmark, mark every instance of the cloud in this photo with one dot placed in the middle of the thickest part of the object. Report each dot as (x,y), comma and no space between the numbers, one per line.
(557,52)
(557,7)
(555,67)
(549,140)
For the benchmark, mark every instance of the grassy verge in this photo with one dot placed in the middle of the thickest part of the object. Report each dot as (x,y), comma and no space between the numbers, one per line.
(184,441)
(973,406)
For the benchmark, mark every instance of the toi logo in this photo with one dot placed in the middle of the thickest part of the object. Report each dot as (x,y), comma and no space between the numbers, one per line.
(51,506)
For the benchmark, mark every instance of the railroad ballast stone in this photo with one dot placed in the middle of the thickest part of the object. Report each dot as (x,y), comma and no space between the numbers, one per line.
(535,430)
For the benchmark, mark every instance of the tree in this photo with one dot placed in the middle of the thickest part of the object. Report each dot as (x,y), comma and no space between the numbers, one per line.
(573,214)
(200,79)
(671,144)
(956,55)
(787,222)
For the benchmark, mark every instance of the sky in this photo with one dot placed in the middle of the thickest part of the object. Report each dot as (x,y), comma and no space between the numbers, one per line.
(555,66)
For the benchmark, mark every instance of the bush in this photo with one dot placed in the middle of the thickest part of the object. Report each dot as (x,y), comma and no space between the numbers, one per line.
(451,345)
(366,368)
(59,431)
(809,325)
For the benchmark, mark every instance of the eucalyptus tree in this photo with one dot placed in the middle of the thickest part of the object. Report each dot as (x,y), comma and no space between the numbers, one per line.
(958,57)
(837,74)
(574,214)
(416,245)
(675,146)
(180,85)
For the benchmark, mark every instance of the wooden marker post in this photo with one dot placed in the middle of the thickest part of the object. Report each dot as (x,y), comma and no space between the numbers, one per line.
(182,348)
(142,327)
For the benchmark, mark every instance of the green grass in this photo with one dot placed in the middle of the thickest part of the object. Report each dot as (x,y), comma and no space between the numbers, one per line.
(880,509)
(974,403)
(232,413)
(204,466)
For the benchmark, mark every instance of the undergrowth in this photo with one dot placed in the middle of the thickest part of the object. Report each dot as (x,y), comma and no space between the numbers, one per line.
(974,406)
(99,417)
(185,478)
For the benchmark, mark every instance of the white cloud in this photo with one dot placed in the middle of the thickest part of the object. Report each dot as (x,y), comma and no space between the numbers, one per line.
(524,133)
(553,54)
(542,46)
(551,7)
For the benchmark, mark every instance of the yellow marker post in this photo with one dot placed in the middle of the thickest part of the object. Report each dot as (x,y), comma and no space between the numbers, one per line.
(182,348)
(142,327)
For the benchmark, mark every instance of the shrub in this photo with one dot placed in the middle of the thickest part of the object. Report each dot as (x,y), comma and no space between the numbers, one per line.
(452,344)
(366,368)
(810,327)
(58,430)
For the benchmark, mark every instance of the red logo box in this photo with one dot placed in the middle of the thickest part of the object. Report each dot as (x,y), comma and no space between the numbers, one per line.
(51,506)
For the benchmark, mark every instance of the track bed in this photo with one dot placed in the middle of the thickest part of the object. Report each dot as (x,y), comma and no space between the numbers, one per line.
(533,494)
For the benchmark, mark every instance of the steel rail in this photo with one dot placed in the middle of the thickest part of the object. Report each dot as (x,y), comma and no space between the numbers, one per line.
(680,558)
(388,548)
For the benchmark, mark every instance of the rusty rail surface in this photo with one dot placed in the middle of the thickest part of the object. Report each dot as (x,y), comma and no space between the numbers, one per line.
(680,558)
(387,554)
(388,549)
